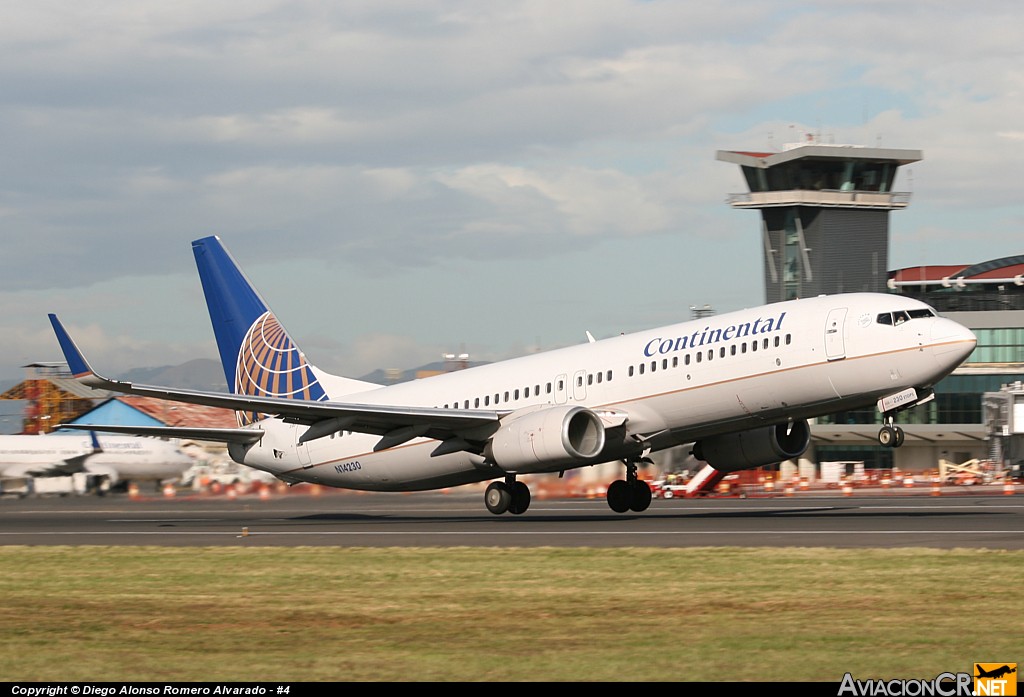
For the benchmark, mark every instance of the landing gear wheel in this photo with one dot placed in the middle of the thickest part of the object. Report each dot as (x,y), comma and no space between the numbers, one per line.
(899,437)
(520,499)
(887,436)
(619,496)
(497,497)
(640,496)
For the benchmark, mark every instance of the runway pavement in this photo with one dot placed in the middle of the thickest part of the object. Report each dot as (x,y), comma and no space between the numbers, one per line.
(983,519)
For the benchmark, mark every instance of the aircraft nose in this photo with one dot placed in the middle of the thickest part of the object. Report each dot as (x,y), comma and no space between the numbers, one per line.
(951,340)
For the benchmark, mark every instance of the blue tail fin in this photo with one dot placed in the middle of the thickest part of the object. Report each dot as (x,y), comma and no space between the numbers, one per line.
(258,356)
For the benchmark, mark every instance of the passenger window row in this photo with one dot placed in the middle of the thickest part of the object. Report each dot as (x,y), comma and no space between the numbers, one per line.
(514,395)
(708,355)
(739,348)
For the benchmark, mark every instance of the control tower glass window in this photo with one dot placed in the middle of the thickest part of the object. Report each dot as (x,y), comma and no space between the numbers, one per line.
(823,175)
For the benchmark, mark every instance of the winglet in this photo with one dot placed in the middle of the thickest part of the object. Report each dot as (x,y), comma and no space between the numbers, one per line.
(80,368)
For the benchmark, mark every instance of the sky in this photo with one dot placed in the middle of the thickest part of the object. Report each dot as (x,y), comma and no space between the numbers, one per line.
(403,179)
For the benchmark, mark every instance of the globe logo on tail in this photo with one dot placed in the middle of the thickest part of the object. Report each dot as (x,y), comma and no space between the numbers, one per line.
(270,365)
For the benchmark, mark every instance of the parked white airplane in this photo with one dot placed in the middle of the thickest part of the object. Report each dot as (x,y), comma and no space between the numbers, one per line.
(740,386)
(114,458)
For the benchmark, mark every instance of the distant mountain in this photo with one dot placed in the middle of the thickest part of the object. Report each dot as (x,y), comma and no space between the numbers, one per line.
(388,377)
(206,374)
(199,374)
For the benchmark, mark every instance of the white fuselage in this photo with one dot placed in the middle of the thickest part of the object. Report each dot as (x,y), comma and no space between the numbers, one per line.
(122,458)
(671,385)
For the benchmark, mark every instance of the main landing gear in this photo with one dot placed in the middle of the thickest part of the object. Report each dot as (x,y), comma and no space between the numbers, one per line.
(631,493)
(890,436)
(507,496)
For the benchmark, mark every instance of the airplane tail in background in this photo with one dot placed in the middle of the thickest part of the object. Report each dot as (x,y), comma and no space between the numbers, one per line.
(258,356)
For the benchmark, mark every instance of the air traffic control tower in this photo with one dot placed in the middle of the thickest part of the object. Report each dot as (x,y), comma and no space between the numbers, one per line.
(824,215)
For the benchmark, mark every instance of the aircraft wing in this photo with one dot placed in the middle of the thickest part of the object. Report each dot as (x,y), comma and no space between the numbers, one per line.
(396,424)
(63,468)
(67,466)
(219,435)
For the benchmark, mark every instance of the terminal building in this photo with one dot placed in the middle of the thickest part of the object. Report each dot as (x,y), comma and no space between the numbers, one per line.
(825,229)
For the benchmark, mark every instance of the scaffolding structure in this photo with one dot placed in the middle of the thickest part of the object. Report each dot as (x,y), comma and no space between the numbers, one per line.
(52,397)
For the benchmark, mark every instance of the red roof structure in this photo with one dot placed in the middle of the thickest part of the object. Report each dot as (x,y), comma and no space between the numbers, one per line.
(1003,269)
(181,414)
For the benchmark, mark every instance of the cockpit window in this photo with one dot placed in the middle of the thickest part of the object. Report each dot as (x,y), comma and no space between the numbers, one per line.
(900,316)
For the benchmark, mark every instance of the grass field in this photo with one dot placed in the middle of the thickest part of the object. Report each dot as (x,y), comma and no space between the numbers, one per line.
(499,614)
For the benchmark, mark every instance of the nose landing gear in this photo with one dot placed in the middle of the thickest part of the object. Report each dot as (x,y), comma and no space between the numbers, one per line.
(890,436)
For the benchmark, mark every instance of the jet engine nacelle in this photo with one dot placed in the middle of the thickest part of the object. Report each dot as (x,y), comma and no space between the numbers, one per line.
(547,439)
(761,446)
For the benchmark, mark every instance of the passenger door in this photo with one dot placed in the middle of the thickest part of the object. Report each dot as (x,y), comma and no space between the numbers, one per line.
(835,330)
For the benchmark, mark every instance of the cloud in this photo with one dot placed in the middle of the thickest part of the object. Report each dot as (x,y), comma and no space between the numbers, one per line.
(402,138)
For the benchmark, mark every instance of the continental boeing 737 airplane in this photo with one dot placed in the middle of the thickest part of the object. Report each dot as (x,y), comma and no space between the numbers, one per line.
(114,458)
(739,387)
